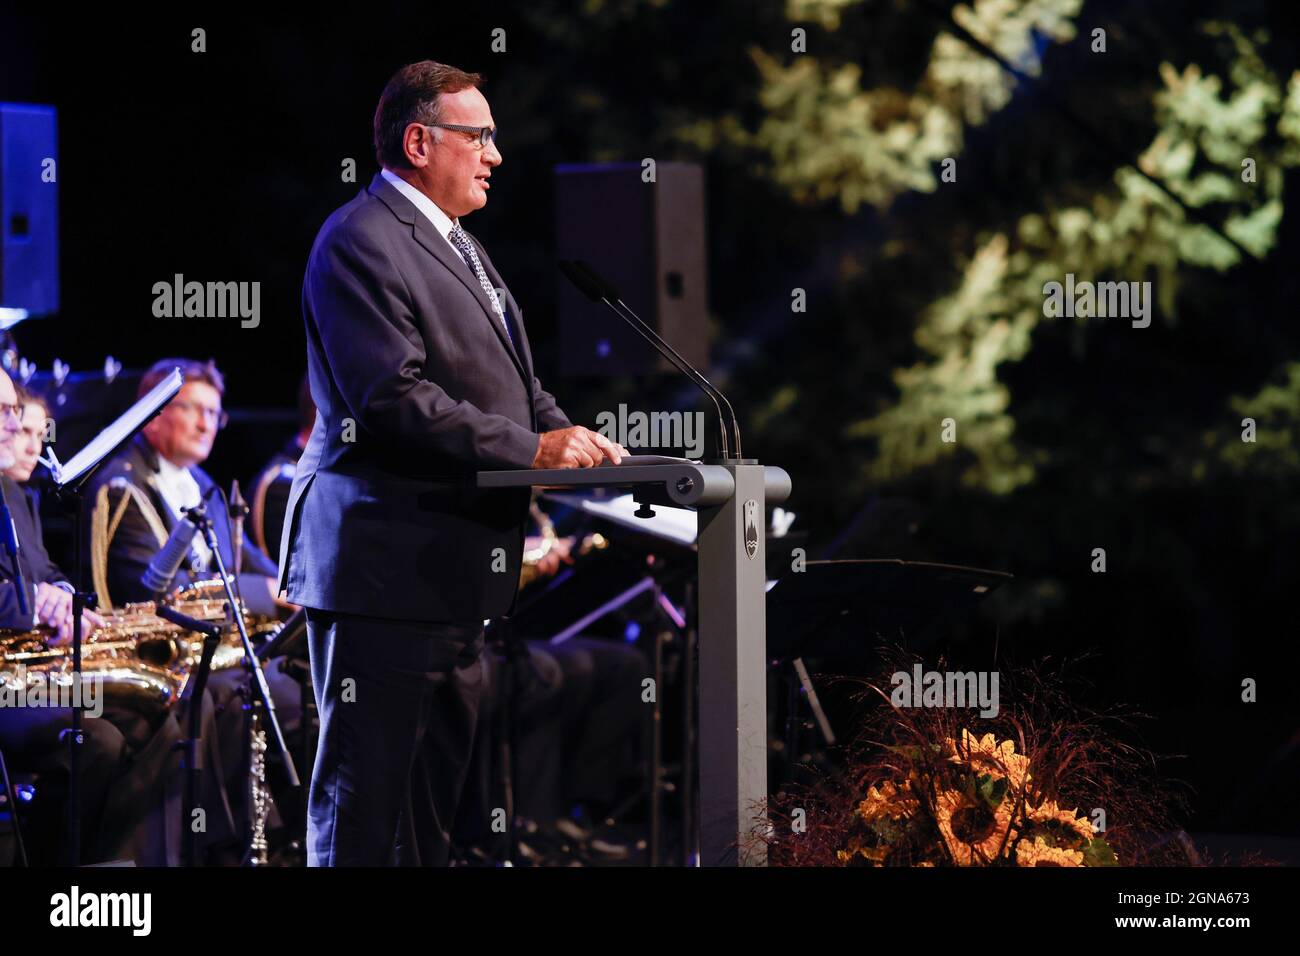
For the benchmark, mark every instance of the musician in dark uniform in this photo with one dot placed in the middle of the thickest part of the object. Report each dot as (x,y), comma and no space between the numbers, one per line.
(128,758)
(137,499)
(137,496)
(30,736)
(580,724)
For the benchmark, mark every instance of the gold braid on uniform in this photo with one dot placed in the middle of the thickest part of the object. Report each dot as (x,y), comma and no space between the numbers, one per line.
(103,526)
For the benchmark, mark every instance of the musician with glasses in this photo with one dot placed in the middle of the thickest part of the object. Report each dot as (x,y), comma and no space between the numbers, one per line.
(29,443)
(51,601)
(31,737)
(137,498)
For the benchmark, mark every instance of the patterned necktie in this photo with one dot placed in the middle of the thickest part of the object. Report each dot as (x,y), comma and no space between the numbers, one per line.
(470,255)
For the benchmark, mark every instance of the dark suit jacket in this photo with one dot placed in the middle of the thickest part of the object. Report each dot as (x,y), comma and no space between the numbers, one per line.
(32,556)
(416,387)
(134,544)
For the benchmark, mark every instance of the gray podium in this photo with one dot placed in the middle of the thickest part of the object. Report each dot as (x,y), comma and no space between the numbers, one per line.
(730,498)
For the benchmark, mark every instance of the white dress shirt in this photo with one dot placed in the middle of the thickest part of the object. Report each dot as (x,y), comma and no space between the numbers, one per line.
(441,221)
(180,489)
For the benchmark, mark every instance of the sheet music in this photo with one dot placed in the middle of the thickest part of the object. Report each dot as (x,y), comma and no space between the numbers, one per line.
(672,524)
(107,441)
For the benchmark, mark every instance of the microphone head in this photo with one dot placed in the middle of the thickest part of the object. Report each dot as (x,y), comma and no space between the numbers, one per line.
(580,279)
(604,288)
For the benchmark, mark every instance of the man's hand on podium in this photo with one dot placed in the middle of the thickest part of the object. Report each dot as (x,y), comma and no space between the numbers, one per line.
(576,447)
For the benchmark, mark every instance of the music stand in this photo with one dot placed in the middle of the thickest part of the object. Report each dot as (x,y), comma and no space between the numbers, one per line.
(68,480)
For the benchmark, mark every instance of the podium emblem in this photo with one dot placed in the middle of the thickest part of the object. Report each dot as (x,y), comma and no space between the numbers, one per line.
(751,527)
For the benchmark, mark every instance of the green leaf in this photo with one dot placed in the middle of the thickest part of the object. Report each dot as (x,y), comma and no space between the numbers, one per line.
(991,789)
(1099,853)
(913,752)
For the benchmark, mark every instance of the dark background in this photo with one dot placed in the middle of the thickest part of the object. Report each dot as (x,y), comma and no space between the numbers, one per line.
(222,165)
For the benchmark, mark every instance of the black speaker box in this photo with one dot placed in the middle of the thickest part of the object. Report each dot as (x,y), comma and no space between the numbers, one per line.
(648,239)
(29,204)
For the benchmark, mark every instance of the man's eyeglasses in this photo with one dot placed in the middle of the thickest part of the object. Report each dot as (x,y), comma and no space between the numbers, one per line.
(15,410)
(485,134)
(217,416)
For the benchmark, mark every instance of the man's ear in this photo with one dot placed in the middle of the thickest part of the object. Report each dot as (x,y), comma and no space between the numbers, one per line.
(416,143)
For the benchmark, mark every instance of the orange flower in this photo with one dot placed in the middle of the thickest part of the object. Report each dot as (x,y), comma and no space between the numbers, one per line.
(986,755)
(1037,853)
(889,801)
(974,833)
(1048,812)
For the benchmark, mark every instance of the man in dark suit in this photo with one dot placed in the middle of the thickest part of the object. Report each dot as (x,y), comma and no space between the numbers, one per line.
(422,375)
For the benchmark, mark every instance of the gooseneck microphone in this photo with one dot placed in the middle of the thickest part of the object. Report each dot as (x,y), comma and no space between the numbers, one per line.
(598,289)
(167,562)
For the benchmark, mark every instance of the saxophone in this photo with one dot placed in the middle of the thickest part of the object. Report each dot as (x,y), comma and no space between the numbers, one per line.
(142,660)
(528,573)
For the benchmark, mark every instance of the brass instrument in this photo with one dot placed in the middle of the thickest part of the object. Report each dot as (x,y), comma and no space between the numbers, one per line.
(142,660)
(533,556)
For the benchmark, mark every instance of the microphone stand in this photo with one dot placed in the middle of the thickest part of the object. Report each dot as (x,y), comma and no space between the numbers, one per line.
(189,747)
(70,499)
(258,677)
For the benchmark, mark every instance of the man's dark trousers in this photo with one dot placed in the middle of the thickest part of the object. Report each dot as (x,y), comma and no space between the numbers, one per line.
(397,700)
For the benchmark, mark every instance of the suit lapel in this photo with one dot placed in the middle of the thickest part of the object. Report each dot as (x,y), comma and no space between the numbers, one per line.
(427,236)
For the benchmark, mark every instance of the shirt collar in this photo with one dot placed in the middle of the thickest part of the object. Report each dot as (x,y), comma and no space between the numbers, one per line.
(441,221)
(171,472)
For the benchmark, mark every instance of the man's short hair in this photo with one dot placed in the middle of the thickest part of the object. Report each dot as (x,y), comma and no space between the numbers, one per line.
(413,95)
(191,371)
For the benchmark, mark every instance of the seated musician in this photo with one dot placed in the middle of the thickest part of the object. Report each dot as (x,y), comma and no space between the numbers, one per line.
(137,499)
(138,496)
(30,441)
(30,736)
(272,484)
(579,729)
